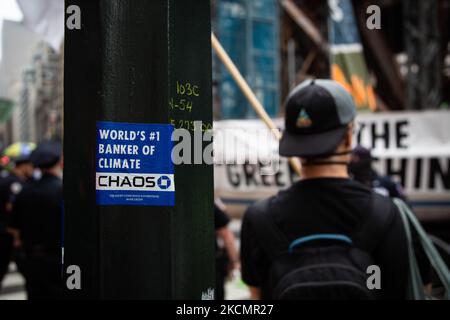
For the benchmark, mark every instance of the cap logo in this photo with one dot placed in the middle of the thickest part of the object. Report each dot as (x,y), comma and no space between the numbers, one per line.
(303,120)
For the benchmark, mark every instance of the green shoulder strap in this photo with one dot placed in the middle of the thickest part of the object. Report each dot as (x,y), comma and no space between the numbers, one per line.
(416,284)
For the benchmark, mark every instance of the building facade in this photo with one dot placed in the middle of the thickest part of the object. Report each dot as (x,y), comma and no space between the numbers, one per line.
(248,30)
(38,114)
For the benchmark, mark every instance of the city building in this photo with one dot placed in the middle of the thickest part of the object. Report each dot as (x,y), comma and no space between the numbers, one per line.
(38,113)
(249,32)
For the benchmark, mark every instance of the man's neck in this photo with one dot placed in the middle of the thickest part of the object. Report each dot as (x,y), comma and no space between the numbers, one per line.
(324,171)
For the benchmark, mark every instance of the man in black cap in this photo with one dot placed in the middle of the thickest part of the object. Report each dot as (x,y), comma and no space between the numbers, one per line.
(37,218)
(10,186)
(324,209)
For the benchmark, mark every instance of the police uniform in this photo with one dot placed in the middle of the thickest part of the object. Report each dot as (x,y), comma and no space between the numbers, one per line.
(37,215)
(6,240)
(10,186)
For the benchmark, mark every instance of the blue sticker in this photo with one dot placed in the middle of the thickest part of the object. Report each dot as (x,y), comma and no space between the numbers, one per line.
(134,164)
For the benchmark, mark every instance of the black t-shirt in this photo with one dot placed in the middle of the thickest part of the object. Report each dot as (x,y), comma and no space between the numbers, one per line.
(10,186)
(328,205)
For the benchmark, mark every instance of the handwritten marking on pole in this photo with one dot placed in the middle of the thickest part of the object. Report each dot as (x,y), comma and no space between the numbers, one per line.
(191,125)
(186,92)
(188,89)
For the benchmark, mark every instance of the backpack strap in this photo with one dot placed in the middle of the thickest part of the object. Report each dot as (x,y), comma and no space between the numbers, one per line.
(268,235)
(376,224)
(320,236)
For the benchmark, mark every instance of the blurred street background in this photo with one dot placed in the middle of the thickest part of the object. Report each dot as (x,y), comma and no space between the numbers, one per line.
(397,73)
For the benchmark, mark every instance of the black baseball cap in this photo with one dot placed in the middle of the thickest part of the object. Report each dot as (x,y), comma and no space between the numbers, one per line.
(317,116)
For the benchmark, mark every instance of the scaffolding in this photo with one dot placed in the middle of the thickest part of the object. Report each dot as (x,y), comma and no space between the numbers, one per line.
(422,46)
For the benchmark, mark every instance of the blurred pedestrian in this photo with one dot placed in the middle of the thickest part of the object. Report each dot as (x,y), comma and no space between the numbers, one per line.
(11,184)
(36,217)
(361,169)
(227,256)
(316,239)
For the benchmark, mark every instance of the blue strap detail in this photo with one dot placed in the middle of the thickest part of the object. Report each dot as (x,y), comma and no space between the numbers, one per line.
(331,236)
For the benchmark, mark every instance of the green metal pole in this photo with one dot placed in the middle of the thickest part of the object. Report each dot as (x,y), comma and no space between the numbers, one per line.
(139,62)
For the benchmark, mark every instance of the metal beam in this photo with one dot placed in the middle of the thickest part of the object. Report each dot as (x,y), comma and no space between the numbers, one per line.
(422,44)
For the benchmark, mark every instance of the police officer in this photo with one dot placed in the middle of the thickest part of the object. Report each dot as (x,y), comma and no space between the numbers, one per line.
(37,218)
(11,184)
